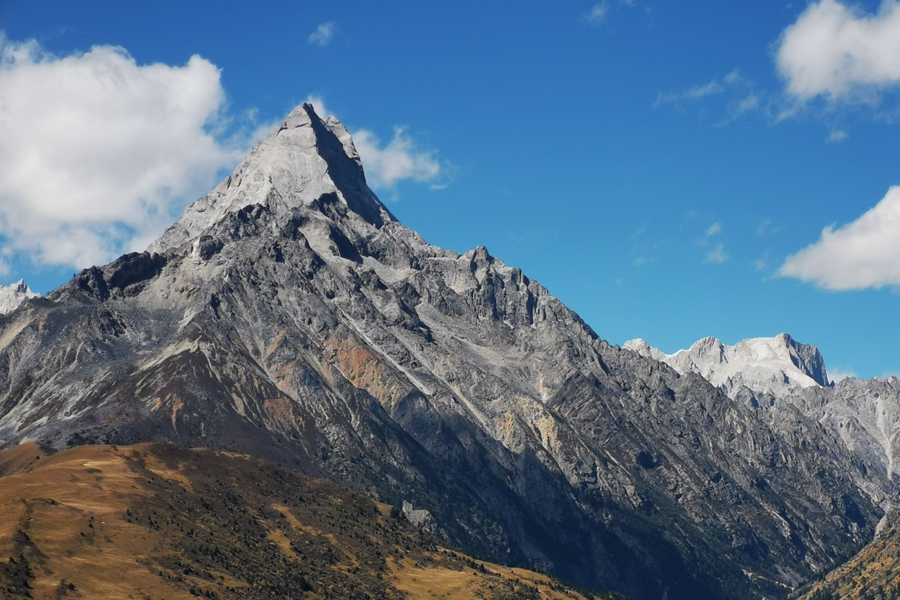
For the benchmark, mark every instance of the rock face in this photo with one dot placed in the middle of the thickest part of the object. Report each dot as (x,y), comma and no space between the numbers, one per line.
(290,316)
(864,414)
(11,296)
(788,376)
(758,369)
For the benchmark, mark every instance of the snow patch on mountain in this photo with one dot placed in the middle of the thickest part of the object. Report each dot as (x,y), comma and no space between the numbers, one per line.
(11,296)
(768,368)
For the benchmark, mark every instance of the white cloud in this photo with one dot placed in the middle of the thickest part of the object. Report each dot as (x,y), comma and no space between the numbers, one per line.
(640,231)
(600,12)
(835,51)
(709,233)
(767,227)
(734,92)
(837,135)
(399,160)
(694,93)
(749,103)
(597,14)
(862,254)
(702,91)
(733,77)
(323,34)
(717,255)
(97,152)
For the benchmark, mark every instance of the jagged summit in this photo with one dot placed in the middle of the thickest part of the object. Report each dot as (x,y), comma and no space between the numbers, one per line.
(304,159)
(774,366)
(11,296)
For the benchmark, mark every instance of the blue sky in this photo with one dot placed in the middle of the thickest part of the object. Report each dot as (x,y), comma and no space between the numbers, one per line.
(666,169)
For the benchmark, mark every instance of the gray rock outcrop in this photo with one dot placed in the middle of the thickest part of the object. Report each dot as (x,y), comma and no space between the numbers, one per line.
(864,414)
(419,517)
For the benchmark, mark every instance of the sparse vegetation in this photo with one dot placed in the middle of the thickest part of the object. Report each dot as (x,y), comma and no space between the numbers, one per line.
(159,521)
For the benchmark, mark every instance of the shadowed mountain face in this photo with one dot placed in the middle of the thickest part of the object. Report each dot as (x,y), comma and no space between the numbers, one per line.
(288,315)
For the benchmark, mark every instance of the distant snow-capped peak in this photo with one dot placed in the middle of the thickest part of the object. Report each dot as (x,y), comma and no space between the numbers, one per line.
(11,296)
(770,366)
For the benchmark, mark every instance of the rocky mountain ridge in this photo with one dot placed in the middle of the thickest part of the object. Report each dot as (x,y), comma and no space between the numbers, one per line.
(864,414)
(781,372)
(288,315)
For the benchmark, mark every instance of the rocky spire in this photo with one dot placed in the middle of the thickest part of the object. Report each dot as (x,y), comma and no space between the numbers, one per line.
(304,159)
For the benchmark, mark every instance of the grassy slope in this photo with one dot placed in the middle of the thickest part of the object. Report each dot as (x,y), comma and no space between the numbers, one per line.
(155,521)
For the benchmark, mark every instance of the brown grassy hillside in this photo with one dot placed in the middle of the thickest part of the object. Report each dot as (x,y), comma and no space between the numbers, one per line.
(163,523)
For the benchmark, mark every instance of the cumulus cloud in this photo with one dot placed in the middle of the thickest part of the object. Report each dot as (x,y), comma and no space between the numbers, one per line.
(862,254)
(323,34)
(97,152)
(400,159)
(836,51)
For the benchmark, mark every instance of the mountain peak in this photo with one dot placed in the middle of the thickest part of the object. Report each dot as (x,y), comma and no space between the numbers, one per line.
(11,296)
(771,366)
(302,160)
